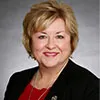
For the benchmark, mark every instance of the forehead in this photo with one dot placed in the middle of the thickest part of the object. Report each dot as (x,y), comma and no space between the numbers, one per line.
(57,25)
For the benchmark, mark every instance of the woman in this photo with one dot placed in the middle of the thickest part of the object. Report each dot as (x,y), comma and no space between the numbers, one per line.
(50,36)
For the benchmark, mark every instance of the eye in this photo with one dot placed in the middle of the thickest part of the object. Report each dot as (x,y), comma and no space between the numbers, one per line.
(42,37)
(59,36)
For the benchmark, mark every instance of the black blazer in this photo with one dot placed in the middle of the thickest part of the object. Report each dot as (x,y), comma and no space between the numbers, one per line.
(74,83)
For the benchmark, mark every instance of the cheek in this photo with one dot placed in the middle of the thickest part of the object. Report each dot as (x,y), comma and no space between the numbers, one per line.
(65,45)
(36,50)
(37,46)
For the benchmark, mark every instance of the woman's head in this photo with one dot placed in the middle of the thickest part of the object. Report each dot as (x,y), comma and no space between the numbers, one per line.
(42,15)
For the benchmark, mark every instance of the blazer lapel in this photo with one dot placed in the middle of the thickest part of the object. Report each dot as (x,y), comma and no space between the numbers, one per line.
(61,88)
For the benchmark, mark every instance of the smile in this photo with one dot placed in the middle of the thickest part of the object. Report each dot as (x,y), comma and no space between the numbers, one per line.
(50,54)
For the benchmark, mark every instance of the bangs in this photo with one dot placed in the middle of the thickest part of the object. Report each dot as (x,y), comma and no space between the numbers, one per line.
(41,21)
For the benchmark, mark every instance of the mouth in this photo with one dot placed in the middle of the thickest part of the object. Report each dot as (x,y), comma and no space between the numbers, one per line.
(50,54)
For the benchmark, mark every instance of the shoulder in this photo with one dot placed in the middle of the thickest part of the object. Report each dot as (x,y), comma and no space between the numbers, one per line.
(78,76)
(18,82)
(24,74)
(21,79)
(82,79)
(78,71)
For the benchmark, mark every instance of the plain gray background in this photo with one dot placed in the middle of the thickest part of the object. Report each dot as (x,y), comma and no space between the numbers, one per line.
(13,56)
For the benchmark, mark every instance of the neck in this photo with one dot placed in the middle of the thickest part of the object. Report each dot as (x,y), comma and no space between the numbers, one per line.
(45,77)
(50,72)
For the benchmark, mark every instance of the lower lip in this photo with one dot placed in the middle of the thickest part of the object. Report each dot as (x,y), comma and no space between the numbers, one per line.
(50,54)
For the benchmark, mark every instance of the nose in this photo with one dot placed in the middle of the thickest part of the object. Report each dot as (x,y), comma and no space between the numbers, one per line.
(50,43)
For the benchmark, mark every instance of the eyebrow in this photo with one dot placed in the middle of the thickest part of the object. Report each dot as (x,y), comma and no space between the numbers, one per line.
(60,32)
(56,32)
(44,32)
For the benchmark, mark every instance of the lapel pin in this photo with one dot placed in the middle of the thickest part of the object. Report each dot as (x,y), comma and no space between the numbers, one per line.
(54,98)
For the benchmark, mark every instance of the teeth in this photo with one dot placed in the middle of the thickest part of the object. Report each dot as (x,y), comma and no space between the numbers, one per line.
(50,53)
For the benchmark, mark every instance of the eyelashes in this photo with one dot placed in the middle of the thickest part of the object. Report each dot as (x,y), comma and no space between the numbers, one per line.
(42,37)
(59,36)
(45,36)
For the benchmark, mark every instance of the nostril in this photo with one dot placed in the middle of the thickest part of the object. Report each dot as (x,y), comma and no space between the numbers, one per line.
(50,45)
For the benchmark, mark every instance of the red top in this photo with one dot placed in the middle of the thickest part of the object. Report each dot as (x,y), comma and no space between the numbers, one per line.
(33,93)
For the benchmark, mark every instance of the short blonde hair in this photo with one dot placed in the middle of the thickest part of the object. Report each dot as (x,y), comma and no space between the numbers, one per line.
(42,15)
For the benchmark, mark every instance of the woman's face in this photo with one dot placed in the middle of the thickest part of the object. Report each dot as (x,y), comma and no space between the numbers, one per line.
(51,47)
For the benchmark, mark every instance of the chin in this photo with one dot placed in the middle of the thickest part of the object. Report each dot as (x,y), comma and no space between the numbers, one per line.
(50,65)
